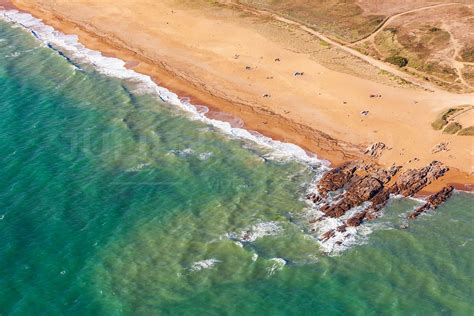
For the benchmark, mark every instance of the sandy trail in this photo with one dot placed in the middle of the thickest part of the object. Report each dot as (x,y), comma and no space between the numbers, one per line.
(390,19)
(458,65)
(374,62)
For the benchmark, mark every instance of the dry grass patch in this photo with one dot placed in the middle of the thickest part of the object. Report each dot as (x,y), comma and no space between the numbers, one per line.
(442,119)
(467,54)
(452,128)
(468,131)
(344,19)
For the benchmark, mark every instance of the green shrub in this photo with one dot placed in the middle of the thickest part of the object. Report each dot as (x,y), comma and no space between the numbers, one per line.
(468,131)
(438,124)
(452,128)
(399,61)
(442,119)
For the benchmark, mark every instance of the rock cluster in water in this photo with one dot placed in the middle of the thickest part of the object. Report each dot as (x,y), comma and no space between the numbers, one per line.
(433,201)
(358,182)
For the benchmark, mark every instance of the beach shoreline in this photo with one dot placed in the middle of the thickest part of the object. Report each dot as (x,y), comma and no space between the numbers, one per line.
(262,119)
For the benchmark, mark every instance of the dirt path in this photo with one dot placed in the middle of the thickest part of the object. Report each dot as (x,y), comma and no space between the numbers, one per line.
(459,66)
(393,17)
(461,112)
(372,61)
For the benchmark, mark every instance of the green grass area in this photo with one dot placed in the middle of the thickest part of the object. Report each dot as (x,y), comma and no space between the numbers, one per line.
(399,61)
(442,119)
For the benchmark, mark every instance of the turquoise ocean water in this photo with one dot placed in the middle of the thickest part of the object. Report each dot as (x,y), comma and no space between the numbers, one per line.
(114,203)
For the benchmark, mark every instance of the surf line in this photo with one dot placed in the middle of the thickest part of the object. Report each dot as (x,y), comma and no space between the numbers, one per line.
(69,47)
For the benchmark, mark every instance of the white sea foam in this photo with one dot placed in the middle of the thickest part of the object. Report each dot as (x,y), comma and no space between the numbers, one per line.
(256,231)
(341,240)
(205,156)
(276,265)
(320,224)
(12,55)
(419,200)
(182,152)
(138,167)
(466,241)
(114,67)
(203,264)
(72,48)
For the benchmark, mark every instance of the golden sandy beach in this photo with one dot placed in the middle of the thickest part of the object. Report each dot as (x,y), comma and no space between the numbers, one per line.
(239,63)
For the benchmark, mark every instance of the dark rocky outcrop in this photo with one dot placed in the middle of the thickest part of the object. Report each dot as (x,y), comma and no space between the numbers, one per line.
(357,219)
(433,201)
(375,150)
(328,235)
(413,180)
(358,191)
(362,182)
(367,182)
(336,178)
(313,197)
(408,183)
(379,200)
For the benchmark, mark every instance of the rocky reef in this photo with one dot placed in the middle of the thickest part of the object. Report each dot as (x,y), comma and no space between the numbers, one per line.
(356,183)
(433,201)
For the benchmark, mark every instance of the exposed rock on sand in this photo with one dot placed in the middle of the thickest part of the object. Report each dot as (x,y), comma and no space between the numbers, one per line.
(354,183)
(361,189)
(375,150)
(362,182)
(413,180)
(440,148)
(433,201)
(336,178)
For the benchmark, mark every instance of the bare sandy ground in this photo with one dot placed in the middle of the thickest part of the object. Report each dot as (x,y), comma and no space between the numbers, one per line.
(221,58)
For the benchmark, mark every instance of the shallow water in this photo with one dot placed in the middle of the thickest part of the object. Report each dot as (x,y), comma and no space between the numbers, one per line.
(112,202)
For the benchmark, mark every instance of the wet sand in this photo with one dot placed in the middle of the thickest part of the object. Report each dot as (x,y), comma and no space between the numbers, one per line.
(6,4)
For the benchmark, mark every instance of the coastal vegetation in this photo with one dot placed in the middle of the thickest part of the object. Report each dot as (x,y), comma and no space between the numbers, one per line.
(452,128)
(404,34)
(442,119)
(451,121)
(397,60)
(467,54)
(468,131)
